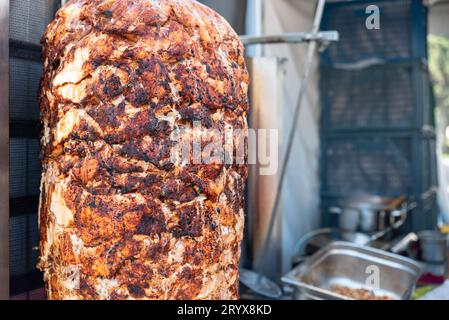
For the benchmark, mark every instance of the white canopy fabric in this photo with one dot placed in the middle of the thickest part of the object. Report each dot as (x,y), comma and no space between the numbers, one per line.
(300,201)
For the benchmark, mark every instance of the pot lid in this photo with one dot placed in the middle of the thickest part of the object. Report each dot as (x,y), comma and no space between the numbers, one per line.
(368,202)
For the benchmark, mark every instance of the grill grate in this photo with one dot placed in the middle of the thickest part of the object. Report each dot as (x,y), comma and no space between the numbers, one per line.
(382,164)
(29,18)
(24,237)
(24,167)
(400,35)
(24,86)
(376,104)
(382,97)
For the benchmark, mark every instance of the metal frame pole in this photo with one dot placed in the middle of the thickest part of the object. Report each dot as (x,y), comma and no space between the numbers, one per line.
(4,149)
(291,37)
(312,46)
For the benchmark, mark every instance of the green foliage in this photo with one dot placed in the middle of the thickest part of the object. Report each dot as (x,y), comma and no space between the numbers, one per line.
(439,68)
(439,73)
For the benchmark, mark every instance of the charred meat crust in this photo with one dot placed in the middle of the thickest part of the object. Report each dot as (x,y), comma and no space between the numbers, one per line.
(118,219)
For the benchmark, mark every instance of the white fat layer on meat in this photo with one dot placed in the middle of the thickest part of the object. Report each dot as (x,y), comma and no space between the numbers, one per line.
(176,113)
(176,254)
(103,287)
(171,117)
(171,217)
(137,197)
(77,244)
(131,110)
(218,85)
(233,178)
(228,235)
(231,276)
(41,193)
(72,277)
(244,86)
(48,179)
(70,120)
(65,126)
(73,92)
(166,210)
(224,58)
(62,214)
(218,116)
(72,11)
(72,71)
(229,140)
(226,257)
(71,296)
(46,133)
(239,225)
(210,284)
(118,100)
(50,97)
(224,230)
(174,92)
(200,200)
(156,5)
(53,230)
(223,199)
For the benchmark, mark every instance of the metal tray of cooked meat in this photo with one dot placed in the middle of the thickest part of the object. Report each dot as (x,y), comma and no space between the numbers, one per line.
(345,271)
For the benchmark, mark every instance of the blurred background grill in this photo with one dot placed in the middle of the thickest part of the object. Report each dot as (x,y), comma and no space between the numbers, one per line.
(378,164)
(402,36)
(23,75)
(29,18)
(377,124)
(380,97)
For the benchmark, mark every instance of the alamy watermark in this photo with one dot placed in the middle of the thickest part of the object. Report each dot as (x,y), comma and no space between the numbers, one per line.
(372,22)
(196,144)
(373,277)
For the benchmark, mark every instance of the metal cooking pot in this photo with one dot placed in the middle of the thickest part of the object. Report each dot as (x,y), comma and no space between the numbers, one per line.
(370,214)
(430,246)
(433,246)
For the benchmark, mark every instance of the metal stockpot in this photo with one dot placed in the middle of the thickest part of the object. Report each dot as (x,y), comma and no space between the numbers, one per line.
(433,246)
(371,214)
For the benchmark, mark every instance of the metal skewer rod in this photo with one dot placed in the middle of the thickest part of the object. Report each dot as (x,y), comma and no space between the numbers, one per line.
(292,37)
(312,46)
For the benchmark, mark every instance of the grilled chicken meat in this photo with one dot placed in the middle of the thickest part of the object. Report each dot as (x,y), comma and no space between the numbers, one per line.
(119,219)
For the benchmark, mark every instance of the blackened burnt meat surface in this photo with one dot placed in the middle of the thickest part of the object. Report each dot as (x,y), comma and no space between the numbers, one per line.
(118,218)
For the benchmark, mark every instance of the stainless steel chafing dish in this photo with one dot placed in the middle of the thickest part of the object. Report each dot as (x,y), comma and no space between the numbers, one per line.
(346,264)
